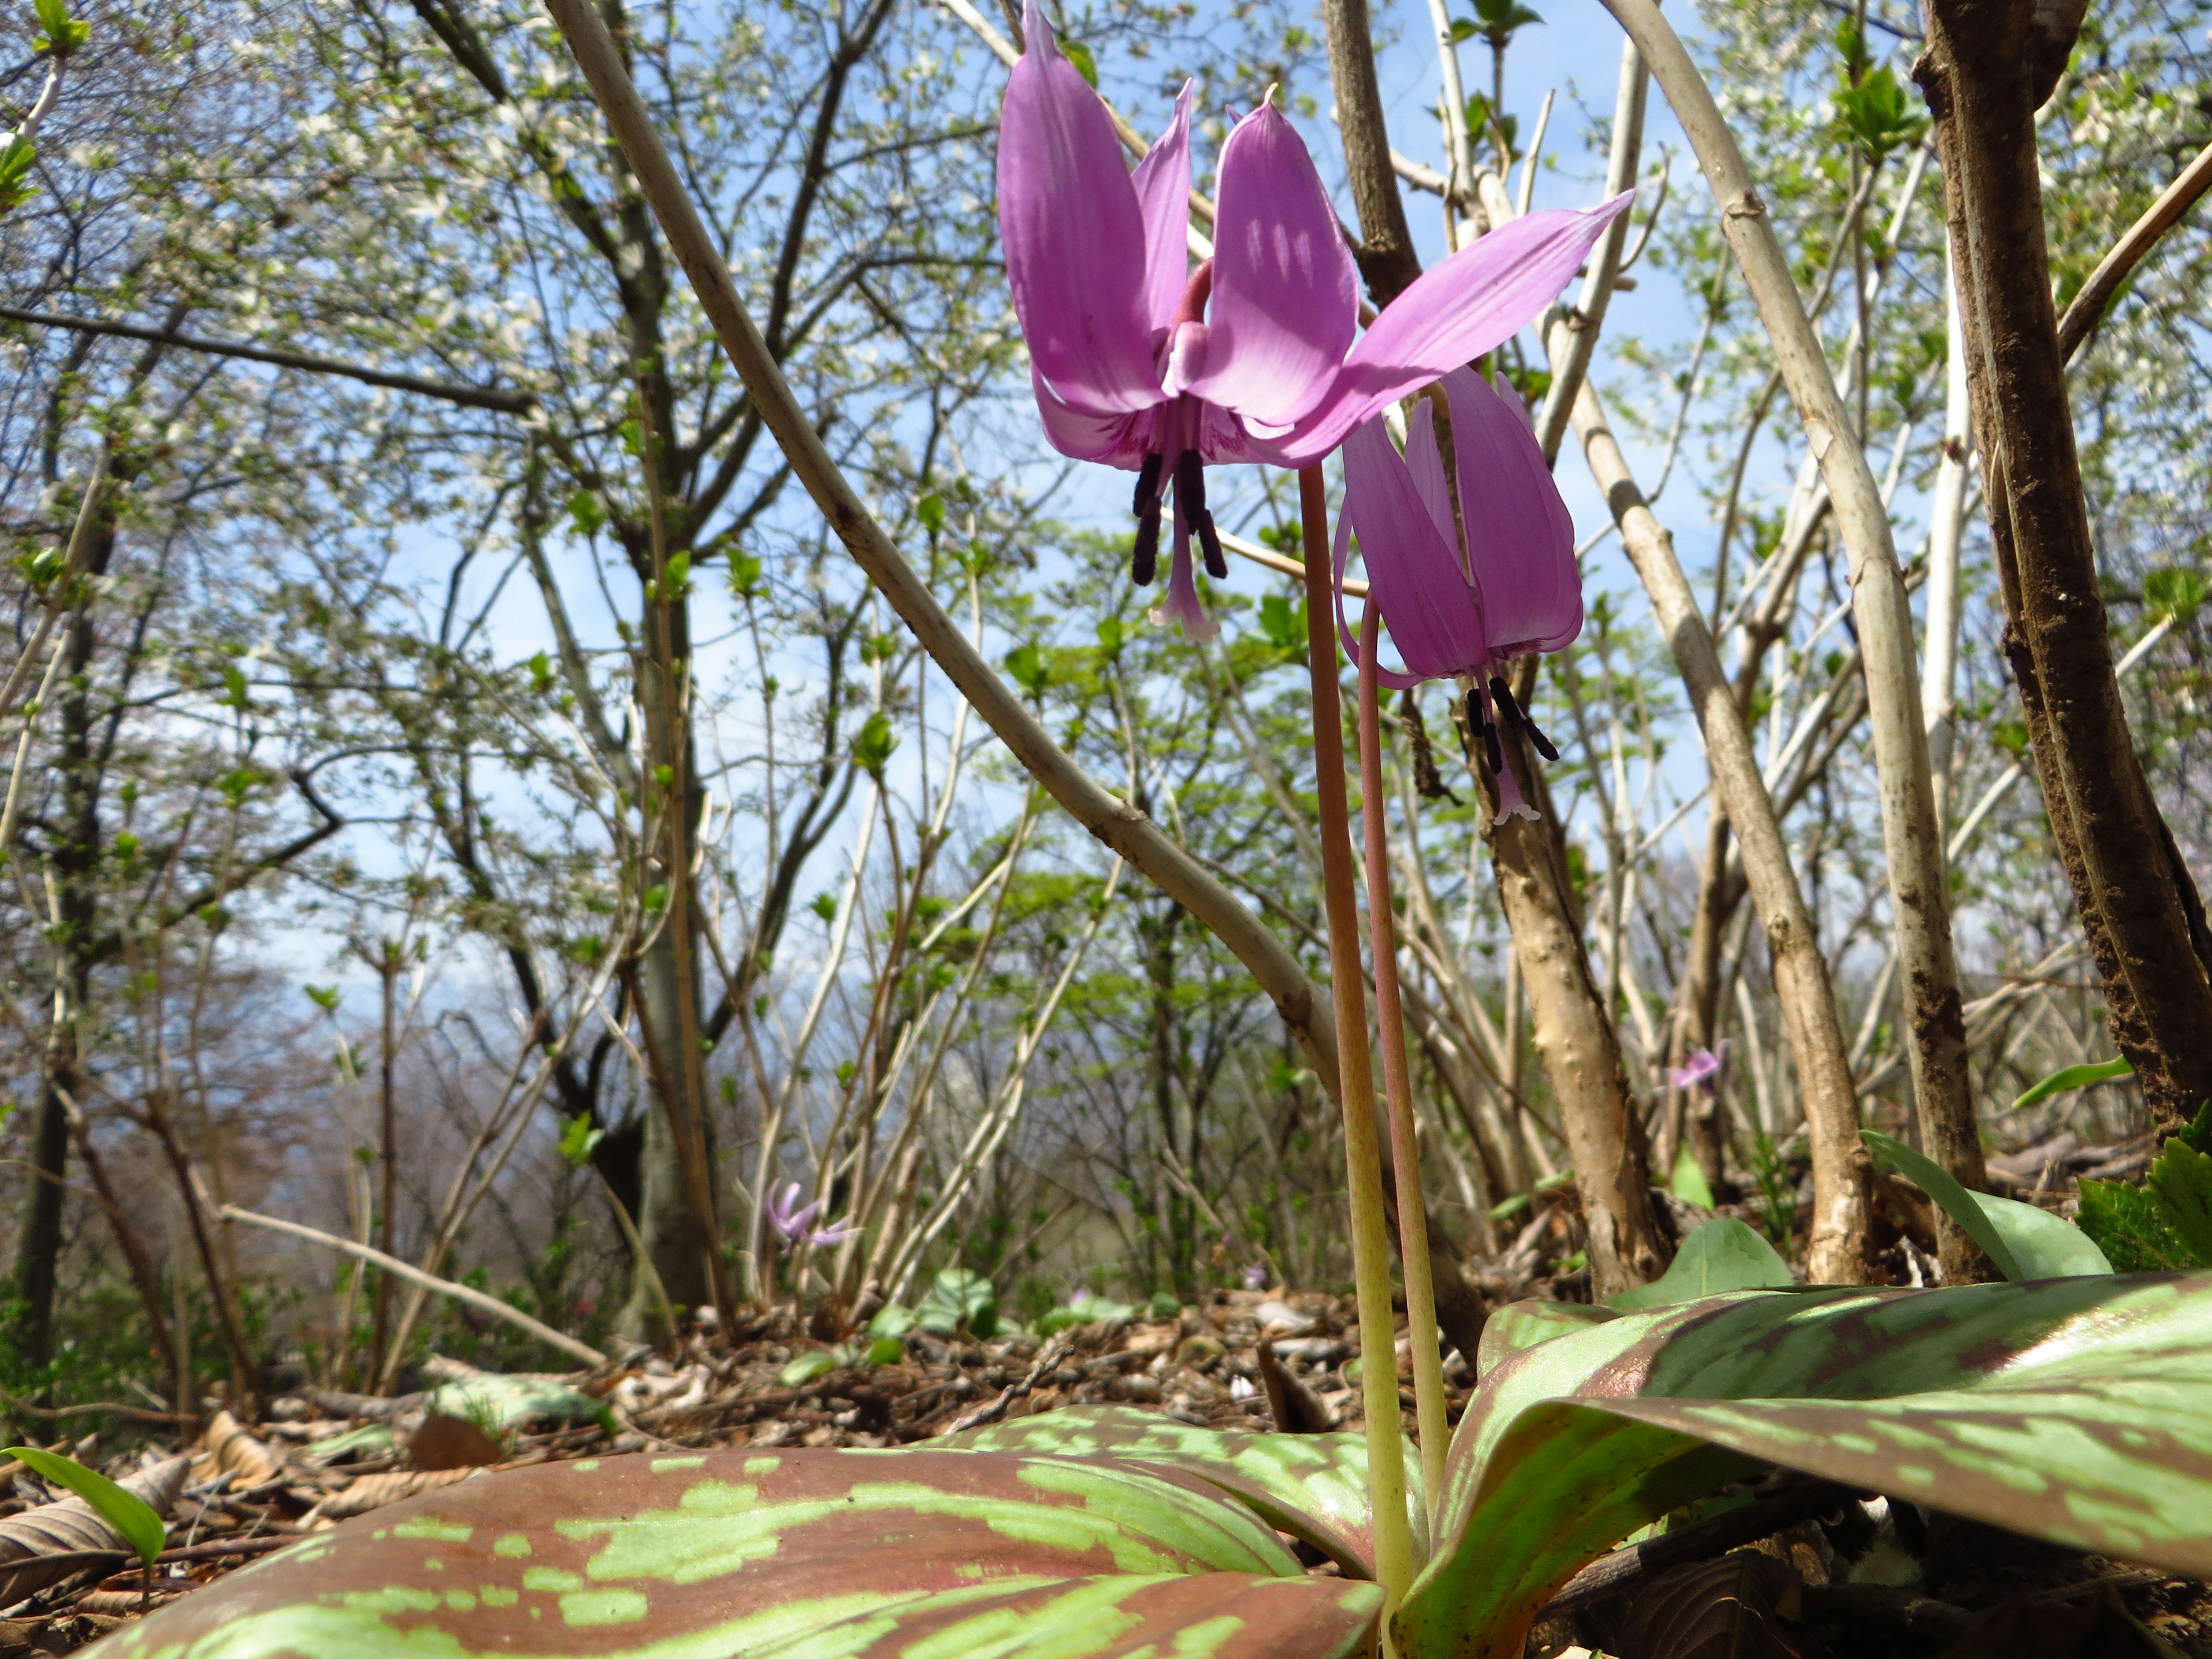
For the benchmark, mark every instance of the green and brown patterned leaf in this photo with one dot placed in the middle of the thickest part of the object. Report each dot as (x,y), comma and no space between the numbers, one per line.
(2079,1410)
(1313,1487)
(814,1554)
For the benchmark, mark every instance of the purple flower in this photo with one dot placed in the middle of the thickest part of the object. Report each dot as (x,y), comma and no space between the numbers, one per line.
(1702,1068)
(785,1215)
(795,1222)
(1143,364)
(1461,607)
(1255,1276)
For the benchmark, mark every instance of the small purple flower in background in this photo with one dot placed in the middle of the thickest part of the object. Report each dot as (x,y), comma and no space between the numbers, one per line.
(795,1221)
(1458,607)
(1255,1276)
(1702,1068)
(1142,363)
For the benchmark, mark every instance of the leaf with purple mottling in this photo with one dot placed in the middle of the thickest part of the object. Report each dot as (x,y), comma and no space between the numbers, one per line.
(814,1554)
(1313,1487)
(2078,1410)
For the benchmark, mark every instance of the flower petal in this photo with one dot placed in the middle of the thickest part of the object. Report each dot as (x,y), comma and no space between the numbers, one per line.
(1073,235)
(1346,633)
(1474,301)
(1520,537)
(1285,293)
(1435,618)
(1425,461)
(1121,441)
(1163,182)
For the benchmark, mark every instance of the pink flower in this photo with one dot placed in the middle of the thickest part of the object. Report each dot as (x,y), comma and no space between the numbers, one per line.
(1142,363)
(1461,607)
(1700,1068)
(795,1221)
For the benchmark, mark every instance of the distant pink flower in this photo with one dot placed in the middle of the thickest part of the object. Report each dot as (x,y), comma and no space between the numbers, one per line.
(1460,608)
(1143,364)
(795,1222)
(1700,1068)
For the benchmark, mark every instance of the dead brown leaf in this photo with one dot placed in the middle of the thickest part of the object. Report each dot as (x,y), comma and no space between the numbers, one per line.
(451,1443)
(1729,1608)
(228,1448)
(42,1546)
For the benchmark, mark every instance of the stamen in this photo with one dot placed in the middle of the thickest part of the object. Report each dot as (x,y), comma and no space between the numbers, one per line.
(1513,711)
(1190,499)
(1148,485)
(1144,561)
(1480,712)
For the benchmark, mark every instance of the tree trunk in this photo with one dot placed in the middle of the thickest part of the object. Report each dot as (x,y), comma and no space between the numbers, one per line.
(1988,67)
(1580,1048)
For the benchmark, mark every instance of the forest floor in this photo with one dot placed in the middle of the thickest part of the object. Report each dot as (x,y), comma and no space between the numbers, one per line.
(1786,1570)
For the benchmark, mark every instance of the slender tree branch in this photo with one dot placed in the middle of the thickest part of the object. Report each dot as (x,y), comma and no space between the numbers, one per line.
(468,397)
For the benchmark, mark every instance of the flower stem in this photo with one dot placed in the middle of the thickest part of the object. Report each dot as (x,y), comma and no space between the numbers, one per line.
(1371,1241)
(1397,1080)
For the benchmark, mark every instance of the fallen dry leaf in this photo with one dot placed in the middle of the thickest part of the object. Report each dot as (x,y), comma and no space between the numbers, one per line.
(228,1448)
(1731,1608)
(46,1544)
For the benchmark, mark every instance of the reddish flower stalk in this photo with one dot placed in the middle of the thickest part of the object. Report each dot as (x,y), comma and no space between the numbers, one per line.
(1370,1242)
(1398,1079)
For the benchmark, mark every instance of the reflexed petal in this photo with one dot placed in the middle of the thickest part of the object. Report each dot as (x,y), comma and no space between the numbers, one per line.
(1073,236)
(1474,301)
(1121,441)
(1163,183)
(1344,631)
(1520,536)
(1435,618)
(1427,463)
(1286,294)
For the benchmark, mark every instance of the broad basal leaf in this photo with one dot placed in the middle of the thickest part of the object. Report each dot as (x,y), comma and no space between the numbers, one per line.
(2023,1240)
(2078,1410)
(1721,1255)
(1519,1324)
(814,1554)
(1313,1487)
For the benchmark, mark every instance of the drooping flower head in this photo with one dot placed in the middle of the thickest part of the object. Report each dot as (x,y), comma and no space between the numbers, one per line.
(1466,580)
(1142,362)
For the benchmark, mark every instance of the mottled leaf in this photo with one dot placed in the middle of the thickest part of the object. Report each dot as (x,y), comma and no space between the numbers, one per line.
(1519,1324)
(2077,1410)
(814,1554)
(1722,1255)
(1313,1487)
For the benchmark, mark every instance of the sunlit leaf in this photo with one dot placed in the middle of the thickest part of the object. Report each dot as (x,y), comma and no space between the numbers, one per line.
(2076,1410)
(2023,1240)
(813,1554)
(1313,1487)
(1722,1255)
(132,1518)
(2075,1076)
